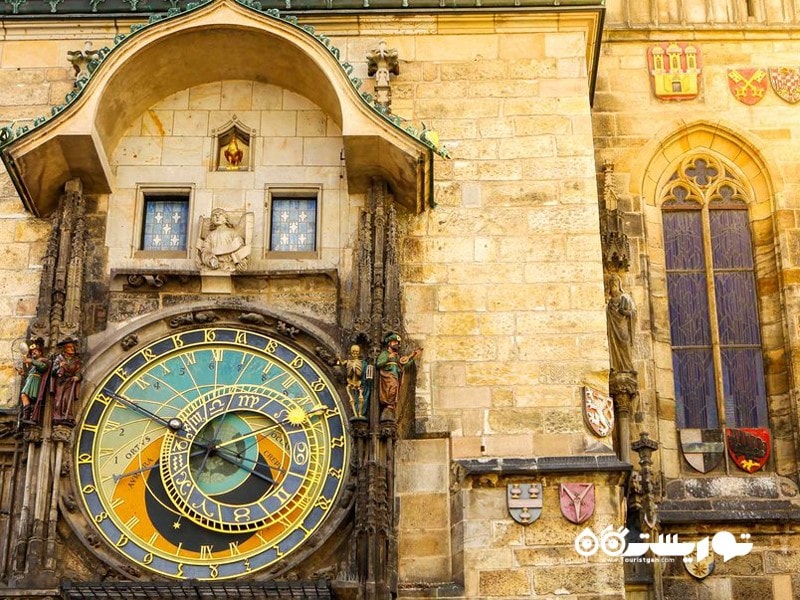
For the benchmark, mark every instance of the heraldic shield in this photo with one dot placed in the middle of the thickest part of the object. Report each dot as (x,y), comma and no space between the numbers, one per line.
(748,86)
(699,563)
(703,449)
(749,447)
(524,502)
(786,83)
(577,501)
(598,412)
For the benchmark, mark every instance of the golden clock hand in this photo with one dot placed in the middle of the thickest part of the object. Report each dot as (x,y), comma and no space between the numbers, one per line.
(174,423)
(266,428)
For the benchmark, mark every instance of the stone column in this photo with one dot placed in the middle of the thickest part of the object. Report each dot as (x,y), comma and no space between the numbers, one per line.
(623,388)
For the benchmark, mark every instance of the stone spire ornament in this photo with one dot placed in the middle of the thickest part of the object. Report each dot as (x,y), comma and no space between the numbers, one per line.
(382,62)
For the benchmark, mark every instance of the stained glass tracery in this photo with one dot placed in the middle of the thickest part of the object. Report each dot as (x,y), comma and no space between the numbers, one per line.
(710,271)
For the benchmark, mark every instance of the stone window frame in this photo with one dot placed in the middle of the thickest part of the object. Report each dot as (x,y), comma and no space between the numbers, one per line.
(142,191)
(701,199)
(750,167)
(292,191)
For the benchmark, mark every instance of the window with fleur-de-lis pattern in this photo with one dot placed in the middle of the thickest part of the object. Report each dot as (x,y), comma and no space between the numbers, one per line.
(715,333)
(165,222)
(293,225)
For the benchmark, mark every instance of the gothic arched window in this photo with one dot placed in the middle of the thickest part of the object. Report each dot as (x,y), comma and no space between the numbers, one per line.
(715,334)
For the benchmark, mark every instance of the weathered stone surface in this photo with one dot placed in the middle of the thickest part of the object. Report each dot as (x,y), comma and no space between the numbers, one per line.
(504,582)
(751,587)
(577,579)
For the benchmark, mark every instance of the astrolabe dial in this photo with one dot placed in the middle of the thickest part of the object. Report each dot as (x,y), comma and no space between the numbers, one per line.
(243,459)
(211,453)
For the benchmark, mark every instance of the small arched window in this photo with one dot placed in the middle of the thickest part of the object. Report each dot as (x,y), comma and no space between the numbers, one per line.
(715,334)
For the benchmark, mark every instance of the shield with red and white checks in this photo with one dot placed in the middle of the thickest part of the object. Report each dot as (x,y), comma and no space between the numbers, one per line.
(786,83)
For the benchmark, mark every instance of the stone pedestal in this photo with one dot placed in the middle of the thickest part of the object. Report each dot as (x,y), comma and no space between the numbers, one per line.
(216,282)
(623,387)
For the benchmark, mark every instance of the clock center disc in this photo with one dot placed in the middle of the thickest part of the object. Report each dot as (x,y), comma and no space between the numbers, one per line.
(218,470)
(228,468)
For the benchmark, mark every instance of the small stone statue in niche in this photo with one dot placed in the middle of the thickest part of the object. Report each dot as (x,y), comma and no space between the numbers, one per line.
(391,366)
(65,381)
(359,381)
(222,245)
(621,317)
(34,369)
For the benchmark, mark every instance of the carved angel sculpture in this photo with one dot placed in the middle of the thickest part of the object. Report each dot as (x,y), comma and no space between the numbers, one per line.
(224,245)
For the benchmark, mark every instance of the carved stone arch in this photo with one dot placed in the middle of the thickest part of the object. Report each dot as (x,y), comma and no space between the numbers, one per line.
(677,145)
(675,139)
(78,138)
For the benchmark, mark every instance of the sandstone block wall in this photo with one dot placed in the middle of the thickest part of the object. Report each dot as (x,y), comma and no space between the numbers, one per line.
(503,282)
(642,135)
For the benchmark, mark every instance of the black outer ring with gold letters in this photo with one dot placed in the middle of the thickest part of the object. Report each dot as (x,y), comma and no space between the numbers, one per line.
(211,453)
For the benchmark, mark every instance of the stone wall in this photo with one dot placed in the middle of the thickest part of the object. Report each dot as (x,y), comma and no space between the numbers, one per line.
(643,137)
(503,280)
(711,13)
(34,75)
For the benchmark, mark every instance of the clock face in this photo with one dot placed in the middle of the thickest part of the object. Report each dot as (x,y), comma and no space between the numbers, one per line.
(211,453)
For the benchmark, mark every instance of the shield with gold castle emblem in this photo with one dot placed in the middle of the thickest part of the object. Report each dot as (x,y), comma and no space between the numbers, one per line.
(748,86)
(786,83)
(748,447)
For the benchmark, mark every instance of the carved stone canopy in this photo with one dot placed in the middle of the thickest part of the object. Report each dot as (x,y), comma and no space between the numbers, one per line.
(233,143)
(77,139)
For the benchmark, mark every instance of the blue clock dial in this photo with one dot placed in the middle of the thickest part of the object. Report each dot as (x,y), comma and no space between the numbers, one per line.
(211,453)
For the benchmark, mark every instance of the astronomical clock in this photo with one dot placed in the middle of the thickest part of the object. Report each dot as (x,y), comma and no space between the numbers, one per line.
(210,453)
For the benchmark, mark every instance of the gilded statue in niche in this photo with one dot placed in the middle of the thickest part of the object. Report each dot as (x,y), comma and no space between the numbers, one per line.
(224,243)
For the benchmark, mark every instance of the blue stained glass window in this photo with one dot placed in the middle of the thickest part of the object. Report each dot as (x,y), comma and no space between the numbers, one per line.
(743,385)
(695,390)
(726,235)
(166,222)
(692,358)
(293,225)
(730,239)
(737,319)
